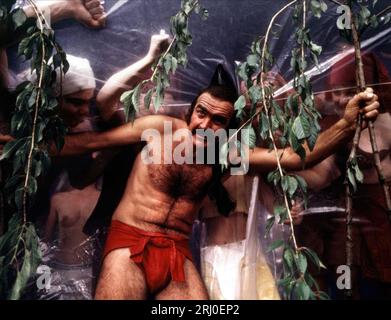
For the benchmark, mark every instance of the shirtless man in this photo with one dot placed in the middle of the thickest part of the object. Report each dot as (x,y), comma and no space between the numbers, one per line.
(152,222)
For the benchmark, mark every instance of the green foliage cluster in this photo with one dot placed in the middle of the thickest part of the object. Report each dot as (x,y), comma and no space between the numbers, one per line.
(176,55)
(293,124)
(35,125)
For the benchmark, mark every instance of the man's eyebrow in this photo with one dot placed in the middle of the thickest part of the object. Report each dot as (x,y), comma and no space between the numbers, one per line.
(202,107)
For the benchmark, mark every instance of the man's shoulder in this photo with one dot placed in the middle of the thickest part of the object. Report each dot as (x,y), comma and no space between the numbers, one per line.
(159,121)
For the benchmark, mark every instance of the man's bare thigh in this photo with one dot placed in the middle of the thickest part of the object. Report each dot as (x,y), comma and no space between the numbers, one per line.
(192,289)
(120,278)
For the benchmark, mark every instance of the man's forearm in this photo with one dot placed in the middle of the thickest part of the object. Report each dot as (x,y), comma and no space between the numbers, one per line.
(78,144)
(56,9)
(126,134)
(328,142)
(108,97)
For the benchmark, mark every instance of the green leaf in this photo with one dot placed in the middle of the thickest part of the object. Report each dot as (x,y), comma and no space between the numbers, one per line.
(167,63)
(316,49)
(264,127)
(292,185)
(374,22)
(269,224)
(174,65)
(358,173)
(323,296)
(365,13)
(301,128)
(301,263)
(352,179)
(302,183)
(33,243)
(302,290)
(158,98)
(284,183)
(136,98)
(10,148)
(186,6)
(32,99)
(127,100)
(288,257)
(255,94)
(223,156)
(252,60)
(18,18)
(32,186)
(281,212)
(249,137)
(240,104)
(57,60)
(275,244)
(147,99)
(314,257)
(22,277)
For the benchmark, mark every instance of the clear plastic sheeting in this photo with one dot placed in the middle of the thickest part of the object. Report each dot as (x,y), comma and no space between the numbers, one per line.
(68,281)
(234,262)
(224,38)
(233,258)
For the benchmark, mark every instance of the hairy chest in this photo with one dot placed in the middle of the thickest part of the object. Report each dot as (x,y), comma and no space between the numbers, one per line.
(188,181)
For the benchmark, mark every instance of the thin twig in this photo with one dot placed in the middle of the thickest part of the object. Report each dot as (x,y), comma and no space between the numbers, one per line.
(33,133)
(262,67)
(265,105)
(383,11)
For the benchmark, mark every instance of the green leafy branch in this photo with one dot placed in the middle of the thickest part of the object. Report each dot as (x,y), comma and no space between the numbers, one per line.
(295,123)
(34,124)
(175,55)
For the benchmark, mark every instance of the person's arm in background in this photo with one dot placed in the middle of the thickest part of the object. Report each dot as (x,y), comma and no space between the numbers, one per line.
(263,160)
(321,175)
(108,98)
(127,134)
(89,12)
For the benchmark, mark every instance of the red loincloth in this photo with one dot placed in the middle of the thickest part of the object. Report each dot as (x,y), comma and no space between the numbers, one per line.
(160,256)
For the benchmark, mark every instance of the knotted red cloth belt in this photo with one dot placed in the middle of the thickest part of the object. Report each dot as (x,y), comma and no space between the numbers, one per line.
(160,256)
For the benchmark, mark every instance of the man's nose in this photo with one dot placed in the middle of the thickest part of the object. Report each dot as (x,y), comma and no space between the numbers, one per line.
(206,123)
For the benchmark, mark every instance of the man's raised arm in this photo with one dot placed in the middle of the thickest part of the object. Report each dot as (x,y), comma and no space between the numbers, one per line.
(89,12)
(109,96)
(263,160)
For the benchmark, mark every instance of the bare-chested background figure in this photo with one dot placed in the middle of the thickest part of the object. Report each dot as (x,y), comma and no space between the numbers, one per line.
(71,250)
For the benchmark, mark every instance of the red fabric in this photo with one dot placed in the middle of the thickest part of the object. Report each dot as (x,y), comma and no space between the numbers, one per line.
(160,256)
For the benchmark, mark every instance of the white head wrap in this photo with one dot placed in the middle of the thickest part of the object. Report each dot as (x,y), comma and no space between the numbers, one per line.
(79,76)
